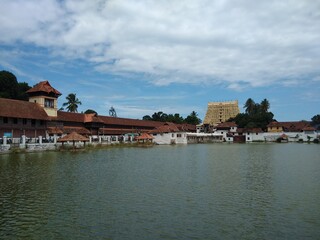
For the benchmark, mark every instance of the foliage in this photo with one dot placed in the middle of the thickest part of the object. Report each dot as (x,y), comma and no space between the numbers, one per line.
(256,115)
(11,88)
(72,103)
(316,119)
(89,111)
(193,118)
(175,118)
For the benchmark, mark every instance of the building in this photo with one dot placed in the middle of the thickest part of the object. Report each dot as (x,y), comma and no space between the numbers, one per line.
(40,118)
(219,112)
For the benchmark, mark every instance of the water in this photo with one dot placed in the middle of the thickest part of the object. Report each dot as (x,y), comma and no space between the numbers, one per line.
(209,191)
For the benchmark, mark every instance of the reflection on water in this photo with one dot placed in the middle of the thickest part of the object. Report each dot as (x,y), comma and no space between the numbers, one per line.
(209,191)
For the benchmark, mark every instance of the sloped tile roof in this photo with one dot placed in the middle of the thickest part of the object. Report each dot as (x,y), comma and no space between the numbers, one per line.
(69,117)
(73,136)
(116,131)
(226,125)
(290,126)
(92,117)
(21,109)
(128,122)
(44,86)
(144,136)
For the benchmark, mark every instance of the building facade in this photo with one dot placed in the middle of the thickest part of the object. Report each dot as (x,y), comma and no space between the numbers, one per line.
(219,112)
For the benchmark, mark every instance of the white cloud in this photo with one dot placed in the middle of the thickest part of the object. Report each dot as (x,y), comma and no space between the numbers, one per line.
(243,42)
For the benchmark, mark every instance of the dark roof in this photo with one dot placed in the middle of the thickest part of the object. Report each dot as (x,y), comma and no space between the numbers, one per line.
(252,130)
(291,126)
(226,125)
(69,117)
(128,122)
(115,131)
(21,109)
(44,87)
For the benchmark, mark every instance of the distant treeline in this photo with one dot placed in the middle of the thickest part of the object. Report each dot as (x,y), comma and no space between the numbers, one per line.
(192,118)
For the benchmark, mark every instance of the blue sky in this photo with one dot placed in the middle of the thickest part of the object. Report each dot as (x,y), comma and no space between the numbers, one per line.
(174,56)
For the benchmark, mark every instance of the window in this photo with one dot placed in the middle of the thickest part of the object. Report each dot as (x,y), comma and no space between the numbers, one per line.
(41,122)
(5,120)
(24,121)
(48,103)
(172,134)
(33,122)
(15,121)
(179,135)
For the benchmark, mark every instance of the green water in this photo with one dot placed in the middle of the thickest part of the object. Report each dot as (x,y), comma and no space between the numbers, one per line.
(209,191)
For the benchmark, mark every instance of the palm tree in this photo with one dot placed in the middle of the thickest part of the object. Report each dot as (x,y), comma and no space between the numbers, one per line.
(72,103)
(250,106)
(264,105)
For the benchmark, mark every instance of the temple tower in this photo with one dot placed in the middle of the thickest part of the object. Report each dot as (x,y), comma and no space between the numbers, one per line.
(46,96)
(219,112)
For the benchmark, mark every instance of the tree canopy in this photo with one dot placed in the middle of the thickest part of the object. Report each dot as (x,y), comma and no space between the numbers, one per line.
(89,111)
(72,103)
(11,88)
(256,115)
(316,121)
(192,118)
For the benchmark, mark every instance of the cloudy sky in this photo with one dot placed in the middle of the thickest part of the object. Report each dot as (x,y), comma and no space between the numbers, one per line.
(174,56)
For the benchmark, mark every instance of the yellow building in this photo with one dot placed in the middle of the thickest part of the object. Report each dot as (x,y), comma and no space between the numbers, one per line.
(219,112)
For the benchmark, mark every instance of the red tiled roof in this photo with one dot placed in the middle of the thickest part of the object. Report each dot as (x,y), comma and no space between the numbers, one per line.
(253,130)
(308,129)
(44,87)
(21,109)
(80,130)
(128,122)
(164,129)
(92,117)
(144,136)
(69,117)
(54,130)
(290,126)
(73,136)
(115,131)
(226,125)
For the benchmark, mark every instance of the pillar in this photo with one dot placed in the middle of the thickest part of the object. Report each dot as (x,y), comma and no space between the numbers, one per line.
(4,140)
(40,140)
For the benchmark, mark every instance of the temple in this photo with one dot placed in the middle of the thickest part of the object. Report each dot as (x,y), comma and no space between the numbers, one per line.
(41,117)
(219,112)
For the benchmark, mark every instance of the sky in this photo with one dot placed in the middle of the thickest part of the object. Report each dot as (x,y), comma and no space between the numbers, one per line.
(174,56)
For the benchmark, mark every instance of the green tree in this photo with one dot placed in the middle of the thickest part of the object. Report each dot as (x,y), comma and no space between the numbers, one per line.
(256,115)
(72,103)
(89,111)
(192,118)
(147,118)
(316,119)
(264,105)
(23,87)
(250,106)
(11,88)
(8,85)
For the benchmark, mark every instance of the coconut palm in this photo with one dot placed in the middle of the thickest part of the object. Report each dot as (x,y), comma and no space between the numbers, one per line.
(264,105)
(72,103)
(250,106)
